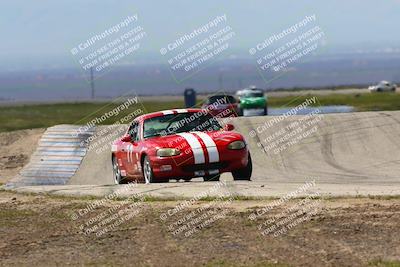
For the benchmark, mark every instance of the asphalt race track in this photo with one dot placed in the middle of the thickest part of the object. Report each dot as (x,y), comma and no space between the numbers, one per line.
(354,153)
(345,148)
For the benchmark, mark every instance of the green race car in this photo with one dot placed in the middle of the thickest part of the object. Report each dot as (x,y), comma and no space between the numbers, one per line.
(252,102)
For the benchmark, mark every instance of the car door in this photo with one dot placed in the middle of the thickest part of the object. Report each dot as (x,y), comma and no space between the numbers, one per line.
(125,152)
(133,150)
(122,155)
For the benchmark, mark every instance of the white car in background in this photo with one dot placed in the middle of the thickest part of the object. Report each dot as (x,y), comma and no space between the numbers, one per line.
(383,86)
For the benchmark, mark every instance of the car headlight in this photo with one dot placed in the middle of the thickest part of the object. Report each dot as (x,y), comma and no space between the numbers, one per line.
(237,145)
(168,152)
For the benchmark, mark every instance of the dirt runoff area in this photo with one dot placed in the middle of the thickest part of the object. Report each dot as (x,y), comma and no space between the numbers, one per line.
(15,150)
(38,230)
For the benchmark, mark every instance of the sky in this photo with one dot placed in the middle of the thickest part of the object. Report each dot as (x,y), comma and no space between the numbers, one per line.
(46,30)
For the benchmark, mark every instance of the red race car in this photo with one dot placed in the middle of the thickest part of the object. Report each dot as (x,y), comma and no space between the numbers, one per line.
(179,144)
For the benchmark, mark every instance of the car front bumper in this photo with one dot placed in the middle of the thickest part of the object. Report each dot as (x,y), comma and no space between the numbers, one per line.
(182,166)
(253,112)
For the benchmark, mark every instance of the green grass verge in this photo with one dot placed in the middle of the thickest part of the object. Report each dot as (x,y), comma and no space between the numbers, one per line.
(42,116)
(226,263)
(11,217)
(45,115)
(148,198)
(384,263)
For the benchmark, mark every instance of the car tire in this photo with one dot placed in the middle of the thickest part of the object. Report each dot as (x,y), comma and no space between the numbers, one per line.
(148,174)
(118,178)
(209,178)
(240,112)
(243,174)
(265,110)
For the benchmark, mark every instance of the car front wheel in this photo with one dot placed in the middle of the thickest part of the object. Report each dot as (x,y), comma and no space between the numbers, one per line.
(147,171)
(243,174)
(118,178)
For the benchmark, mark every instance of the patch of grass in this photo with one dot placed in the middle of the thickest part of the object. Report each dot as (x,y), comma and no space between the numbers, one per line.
(14,213)
(223,263)
(387,197)
(384,263)
(238,198)
(12,217)
(88,198)
(205,199)
(46,115)
(334,88)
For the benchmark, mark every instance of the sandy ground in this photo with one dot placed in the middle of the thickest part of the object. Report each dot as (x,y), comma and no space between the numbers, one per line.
(15,150)
(38,231)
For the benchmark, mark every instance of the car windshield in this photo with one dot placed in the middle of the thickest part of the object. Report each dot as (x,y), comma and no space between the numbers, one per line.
(223,99)
(253,94)
(179,123)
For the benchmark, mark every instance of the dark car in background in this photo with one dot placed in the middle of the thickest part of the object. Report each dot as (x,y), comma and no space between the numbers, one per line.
(223,106)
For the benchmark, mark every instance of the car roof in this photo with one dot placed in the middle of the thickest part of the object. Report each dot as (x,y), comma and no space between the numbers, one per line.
(252,90)
(167,112)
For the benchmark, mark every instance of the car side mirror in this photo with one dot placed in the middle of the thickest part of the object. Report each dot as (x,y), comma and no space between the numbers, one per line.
(229,127)
(126,138)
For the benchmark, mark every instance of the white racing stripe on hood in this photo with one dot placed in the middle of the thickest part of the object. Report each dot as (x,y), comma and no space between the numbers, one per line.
(181,110)
(213,154)
(167,112)
(195,145)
